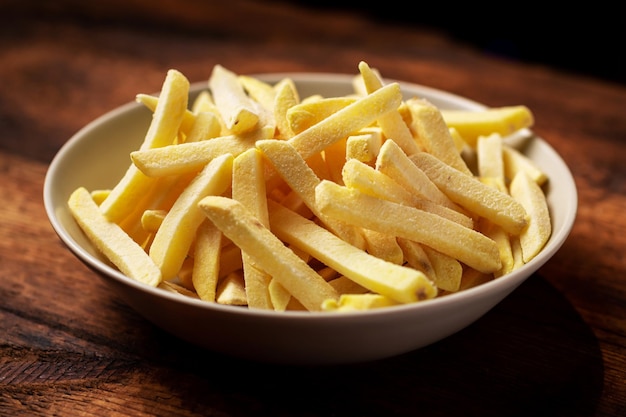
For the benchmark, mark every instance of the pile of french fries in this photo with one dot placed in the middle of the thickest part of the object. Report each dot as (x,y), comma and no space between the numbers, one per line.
(254,196)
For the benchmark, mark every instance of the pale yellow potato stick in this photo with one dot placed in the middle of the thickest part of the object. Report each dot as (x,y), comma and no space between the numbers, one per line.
(268,252)
(151,102)
(530,195)
(230,260)
(206,126)
(473,278)
(177,232)
(260,91)
(391,123)
(503,241)
(177,289)
(393,162)
(383,246)
(189,157)
(206,264)
(344,285)
(348,120)
(249,190)
(204,104)
(350,205)
(402,284)
(279,295)
(433,133)
(470,193)
(238,111)
(99,195)
(111,240)
(358,302)
(231,290)
(474,123)
(489,157)
(128,193)
(301,178)
(448,271)
(459,142)
(151,219)
(335,157)
(361,176)
(416,257)
(515,161)
(312,111)
(364,146)
(286,97)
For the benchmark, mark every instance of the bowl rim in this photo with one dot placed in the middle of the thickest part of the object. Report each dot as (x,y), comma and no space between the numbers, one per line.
(499,284)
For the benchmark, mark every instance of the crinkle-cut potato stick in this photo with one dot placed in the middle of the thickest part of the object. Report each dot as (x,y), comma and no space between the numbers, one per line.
(302,180)
(190,157)
(111,240)
(249,189)
(268,252)
(433,133)
(462,243)
(347,121)
(173,240)
(166,120)
(391,123)
(534,237)
(405,285)
(472,124)
(237,109)
(470,193)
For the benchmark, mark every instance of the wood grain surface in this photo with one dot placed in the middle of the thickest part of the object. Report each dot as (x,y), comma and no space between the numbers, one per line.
(69,346)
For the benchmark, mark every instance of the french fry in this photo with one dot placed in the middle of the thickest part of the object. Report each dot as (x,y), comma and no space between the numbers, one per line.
(151,102)
(472,124)
(358,302)
(177,232)
(446,236)
(515,161)
(402,284)
(534,237)
(448,271)
(268,252)
(310,112)
(128,193)
(364,146)
(206,126)
(238,111)
(348,120)
(294,170)
(111,240)
(189,157)
(391,123)
(231,290)
(249,190)
(286,97)
(206,264)
(470,193)
(433,133)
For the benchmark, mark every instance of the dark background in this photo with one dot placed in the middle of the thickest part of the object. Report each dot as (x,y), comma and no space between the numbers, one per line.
(588,38)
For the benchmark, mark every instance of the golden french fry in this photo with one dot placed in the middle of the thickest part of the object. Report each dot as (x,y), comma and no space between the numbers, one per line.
(472,124)
(177,232)
(286,97)
(344,285)
(391,123)
(231,290)
(267,251)
(433,133)
(446,236)
(364,146)
(448,271)
(128,193)
(470,193)
(530,195)
(111,240)
(383,246)
(206,126)
(151,102)
(249,190)
(151,219)
(348,120)
(400,283)
(238,111)
(415,256)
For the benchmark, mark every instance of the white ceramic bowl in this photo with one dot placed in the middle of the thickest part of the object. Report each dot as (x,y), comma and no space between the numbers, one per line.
(96,158)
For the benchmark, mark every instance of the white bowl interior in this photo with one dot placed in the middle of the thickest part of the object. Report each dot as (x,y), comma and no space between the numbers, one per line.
(97,156)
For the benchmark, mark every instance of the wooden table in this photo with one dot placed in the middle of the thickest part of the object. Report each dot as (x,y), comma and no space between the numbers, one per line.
(68,344)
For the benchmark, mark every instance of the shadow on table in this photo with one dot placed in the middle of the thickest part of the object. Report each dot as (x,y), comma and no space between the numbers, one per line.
(532,355)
